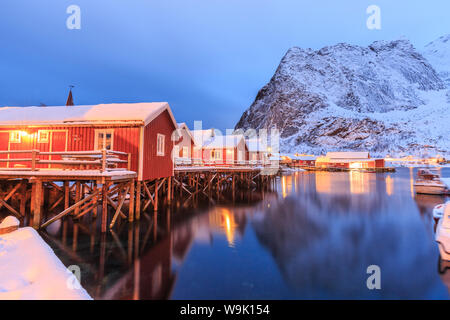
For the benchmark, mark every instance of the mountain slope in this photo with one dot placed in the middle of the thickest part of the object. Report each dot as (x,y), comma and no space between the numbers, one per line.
(385,98)
(438,54)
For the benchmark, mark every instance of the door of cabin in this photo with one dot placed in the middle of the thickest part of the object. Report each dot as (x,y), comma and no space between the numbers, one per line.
(4,140)
(58,144)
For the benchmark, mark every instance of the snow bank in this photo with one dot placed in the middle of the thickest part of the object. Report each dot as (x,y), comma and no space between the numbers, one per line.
(29,270)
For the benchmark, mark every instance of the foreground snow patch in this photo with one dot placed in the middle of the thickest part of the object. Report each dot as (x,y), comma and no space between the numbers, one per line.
(30,270)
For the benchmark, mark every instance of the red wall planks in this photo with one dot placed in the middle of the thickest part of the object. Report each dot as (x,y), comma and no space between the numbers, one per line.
(155,166)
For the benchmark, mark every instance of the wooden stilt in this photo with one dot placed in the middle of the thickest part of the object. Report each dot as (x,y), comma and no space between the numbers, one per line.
(169,190)
(66,195)
(23,200)
(37,204)
(77,197)
(131,206)
(105,188)
(155,207)
(138,200)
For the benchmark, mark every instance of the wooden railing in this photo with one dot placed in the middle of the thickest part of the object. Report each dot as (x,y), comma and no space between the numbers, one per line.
(194,162)
(103,160)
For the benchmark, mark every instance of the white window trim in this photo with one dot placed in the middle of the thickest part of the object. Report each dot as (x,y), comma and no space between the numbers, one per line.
(216,152)
(159,152)
(104,131)
(176,152)
(40,140)
(11,140)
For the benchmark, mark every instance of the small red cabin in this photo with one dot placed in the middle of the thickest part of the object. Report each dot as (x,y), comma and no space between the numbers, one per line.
(184,151)
(143,130)
(219,149)
(349,160)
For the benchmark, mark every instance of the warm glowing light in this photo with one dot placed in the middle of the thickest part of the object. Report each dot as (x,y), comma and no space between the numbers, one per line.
(23,133)
(389,185)
(323,182)
(359,182)
(229,226)
(356,165)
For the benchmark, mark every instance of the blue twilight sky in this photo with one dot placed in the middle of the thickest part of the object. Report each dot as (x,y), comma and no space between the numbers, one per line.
(207,58)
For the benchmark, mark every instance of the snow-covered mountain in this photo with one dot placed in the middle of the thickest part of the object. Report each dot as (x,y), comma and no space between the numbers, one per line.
(385,98)
(438,54)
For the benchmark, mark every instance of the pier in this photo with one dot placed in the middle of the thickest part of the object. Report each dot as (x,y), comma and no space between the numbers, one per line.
(40,188)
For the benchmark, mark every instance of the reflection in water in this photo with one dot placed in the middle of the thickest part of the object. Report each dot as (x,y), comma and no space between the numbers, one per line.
(223,219)
(389,185)
(315,239)
(359,182)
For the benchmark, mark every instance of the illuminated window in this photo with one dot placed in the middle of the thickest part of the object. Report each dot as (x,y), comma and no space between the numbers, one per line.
(43,136)
(104,139)
(160,144)
(185,152)
(216,154)
(15,137)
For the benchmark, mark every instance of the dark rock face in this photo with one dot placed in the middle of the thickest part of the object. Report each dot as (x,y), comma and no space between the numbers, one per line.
(347,97)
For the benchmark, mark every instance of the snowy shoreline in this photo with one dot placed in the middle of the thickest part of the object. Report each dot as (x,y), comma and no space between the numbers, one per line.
(30,270)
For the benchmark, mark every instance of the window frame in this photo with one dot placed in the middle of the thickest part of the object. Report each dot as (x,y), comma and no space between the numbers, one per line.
(105,132)
(17,139)
(214,155)
(40,140)
(185,154)
(160,145)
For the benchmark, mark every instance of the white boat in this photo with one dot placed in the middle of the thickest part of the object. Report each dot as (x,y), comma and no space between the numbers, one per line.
(443,234)
(429,182)
(438,211)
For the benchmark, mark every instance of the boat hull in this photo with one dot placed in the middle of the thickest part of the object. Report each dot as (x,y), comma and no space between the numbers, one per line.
(424,189)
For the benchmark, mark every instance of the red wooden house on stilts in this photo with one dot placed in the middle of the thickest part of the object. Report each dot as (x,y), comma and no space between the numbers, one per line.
(142,130)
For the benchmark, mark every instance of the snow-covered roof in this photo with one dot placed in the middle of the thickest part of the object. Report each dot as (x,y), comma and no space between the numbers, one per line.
(101,113)
(183,126)
(202,135)
(303,157)
(257,145)
(348,155)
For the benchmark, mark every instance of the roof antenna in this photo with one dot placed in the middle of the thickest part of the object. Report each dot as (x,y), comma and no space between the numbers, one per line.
(70,97)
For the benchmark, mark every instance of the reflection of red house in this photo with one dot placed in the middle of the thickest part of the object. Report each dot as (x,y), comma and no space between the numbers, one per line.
(142,129)
(151,278)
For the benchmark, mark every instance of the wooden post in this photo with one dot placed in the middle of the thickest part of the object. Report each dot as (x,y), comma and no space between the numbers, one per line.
(169,190)
(33,160)
(37,204)
(105,188)
(131,203)
(66,195)
(95,208)
(155,208)
(77,197)
(103,160)
(129,162)
(138,200)
(23,199)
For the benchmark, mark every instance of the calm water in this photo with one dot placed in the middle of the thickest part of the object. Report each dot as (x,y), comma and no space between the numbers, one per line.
(312,238)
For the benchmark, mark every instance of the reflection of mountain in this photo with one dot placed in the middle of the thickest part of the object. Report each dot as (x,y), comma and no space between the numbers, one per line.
(343,192)
(326,255)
